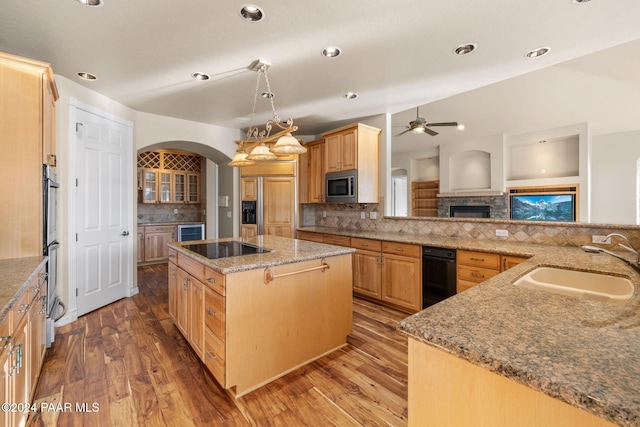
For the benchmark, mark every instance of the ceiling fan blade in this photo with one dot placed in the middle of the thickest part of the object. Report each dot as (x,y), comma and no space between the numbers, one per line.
(430,131)
(443,124)
(403,132)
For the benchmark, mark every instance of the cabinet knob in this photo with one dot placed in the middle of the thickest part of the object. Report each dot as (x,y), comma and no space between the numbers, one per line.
(211,356)
(211,280)
(211,313)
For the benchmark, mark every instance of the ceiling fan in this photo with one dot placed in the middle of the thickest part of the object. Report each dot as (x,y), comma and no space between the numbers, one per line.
(420,125)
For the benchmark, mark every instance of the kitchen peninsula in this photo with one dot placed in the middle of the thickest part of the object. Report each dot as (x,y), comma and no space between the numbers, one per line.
(254,309)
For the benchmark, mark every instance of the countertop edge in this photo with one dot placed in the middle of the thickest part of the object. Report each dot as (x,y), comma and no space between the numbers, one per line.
(21,288)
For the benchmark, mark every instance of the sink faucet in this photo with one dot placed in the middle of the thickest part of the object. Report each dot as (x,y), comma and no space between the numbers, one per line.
(635,264)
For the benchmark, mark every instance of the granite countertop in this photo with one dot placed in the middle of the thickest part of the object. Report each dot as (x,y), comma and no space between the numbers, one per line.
(15,273)
(585,353)
(286,251)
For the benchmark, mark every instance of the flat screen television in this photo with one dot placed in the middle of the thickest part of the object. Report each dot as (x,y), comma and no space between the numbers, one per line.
(543,207)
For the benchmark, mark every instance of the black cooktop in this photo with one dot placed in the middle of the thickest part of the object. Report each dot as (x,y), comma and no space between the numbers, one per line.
(217,250)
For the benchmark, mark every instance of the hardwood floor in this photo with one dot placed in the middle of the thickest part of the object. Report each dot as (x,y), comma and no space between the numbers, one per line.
(129,364)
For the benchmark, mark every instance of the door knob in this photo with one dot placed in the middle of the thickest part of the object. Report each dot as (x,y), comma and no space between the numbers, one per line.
(124,233)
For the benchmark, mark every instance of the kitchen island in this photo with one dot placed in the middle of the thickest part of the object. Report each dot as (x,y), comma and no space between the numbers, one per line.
(252,318)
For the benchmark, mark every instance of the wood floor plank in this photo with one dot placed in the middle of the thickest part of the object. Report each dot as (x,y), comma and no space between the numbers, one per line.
(130,359)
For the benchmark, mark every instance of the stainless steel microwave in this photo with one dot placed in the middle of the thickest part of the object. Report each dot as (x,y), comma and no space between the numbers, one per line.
(341,187)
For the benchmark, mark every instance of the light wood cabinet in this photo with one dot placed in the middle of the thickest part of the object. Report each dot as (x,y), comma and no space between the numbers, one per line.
(195,325)
(509,261)
(169,176)
(249,189)
(140,249)
(315,171)
(424,198)
(309,236)
(156,238)
(22,347)
(248,230)
(402,275)
(367,268)
(174,288)
(476,267)
(278,206)
(182,301)
(356,147)
(27,137)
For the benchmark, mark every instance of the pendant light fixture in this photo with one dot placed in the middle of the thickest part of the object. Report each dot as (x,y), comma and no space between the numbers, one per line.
(260,143)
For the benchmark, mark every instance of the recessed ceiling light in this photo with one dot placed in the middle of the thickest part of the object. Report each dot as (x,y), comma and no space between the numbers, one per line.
(350,95)
(460,126)
(463,49)
(200,76)
(580,1)
(87,76)
(267,95)
(93,3)
(535,53)
(251,13)
(331,51)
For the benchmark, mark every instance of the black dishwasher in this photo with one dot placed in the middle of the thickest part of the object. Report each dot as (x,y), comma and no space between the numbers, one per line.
(438,274)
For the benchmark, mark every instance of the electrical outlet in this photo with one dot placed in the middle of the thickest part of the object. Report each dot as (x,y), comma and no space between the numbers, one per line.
(601,239)
(502,233)
(175,211)
(229,214)
(373,215)
(324,214)
(362,215)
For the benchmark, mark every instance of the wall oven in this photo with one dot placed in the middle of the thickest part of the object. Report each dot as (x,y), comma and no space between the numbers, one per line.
(341,187)
(50,244)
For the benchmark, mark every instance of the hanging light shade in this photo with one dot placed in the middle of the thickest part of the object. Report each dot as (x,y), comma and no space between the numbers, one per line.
(288,144)
(240,159)
(261,153)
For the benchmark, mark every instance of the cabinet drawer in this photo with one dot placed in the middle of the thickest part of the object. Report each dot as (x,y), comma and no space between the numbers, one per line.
(336,240)
(475,274)
(214,313)
(160,229)
(479,259)
(214,280)
(191,266)
(366,244)
(214,357)
(463,285)
(312,237)
(20,309)
(5,334)
(402,249)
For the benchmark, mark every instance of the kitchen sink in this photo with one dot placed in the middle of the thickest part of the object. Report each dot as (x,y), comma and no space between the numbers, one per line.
(581,284)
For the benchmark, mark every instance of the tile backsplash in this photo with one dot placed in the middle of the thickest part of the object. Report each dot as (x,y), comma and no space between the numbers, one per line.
(163,212)
(349,216)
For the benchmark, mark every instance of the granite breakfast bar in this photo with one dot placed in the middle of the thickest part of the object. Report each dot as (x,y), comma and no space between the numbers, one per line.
(252,318)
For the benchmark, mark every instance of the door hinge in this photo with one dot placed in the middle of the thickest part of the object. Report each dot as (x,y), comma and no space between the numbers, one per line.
(76,237)
(76,182)
(76,291)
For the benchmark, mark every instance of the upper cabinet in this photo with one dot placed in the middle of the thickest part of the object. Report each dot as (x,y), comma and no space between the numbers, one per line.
(169,176)
(27,140)
(355,147)
(315,171)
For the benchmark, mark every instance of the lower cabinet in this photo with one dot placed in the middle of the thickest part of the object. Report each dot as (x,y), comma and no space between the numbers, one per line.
(388,272)
(476,267)
(22,348)
(156,238)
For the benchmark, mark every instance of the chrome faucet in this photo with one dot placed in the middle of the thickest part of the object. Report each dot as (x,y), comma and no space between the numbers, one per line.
(635,264)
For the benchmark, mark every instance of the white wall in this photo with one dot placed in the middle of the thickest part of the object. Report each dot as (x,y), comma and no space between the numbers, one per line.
(614,178)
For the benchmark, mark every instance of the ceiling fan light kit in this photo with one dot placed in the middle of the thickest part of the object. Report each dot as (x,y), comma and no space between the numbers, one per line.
(420,125)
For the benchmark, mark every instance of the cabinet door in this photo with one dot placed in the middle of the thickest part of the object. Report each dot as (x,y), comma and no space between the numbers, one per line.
(165,186)
(248,230)
(156,239)
(20,370)
(179,187)
(173,291)
(367,273)
(140,255)
(150,187)
(278,207)
(349,150)
(509,261)
(196,316)
(37,339)
(193,187)
(332,152)
(6,363)
(401,281)
(48,125)
(315,172)
(249,189)
(182,306)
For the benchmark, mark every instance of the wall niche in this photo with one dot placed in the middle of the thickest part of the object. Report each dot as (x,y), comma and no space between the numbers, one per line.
(470,170)
(545,158)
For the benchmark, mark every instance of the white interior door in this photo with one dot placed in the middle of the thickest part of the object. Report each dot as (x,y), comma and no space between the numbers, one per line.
(103,211)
